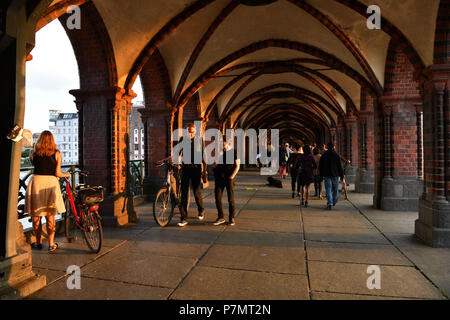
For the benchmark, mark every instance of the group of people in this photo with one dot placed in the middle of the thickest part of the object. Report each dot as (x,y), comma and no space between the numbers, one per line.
(311,164)
(306,165)
(224,177)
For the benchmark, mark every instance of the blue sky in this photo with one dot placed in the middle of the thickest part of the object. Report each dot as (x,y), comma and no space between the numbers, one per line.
(50,75)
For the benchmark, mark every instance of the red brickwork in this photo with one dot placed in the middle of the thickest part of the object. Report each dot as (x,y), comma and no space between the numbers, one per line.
(402,98)
(157,115)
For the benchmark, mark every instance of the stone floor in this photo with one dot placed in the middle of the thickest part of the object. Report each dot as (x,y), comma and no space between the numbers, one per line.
(277,250)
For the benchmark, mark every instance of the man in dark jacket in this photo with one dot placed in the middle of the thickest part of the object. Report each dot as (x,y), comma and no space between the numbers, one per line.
(330,168)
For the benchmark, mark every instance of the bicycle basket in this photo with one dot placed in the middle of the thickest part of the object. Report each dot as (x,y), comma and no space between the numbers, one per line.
(91,195)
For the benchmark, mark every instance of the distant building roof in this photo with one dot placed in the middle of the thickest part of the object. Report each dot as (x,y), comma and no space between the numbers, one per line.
(67,116)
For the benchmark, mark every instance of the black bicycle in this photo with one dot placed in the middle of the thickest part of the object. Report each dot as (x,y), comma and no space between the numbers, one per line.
(168,197)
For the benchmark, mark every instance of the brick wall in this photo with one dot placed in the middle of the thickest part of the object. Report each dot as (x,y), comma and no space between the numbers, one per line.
(402,95)
(156,116)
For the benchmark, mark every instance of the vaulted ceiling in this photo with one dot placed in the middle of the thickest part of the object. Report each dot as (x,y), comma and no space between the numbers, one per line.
(244,58)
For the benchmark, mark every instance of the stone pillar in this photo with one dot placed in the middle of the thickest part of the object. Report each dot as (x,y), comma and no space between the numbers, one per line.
(104,148)
(401,187)
(365,175)
(333,135)
(351,125)
(433,225)
(17,278)
(158,124)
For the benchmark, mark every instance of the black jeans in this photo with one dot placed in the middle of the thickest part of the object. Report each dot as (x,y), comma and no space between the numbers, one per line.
(294,181)
(193,175)
(220,185)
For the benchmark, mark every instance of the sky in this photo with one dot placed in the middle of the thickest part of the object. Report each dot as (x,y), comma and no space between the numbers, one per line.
(50,75)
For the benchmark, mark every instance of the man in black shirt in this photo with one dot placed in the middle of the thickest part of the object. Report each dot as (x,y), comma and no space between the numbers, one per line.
(192,172)
(224,175)
(330,168)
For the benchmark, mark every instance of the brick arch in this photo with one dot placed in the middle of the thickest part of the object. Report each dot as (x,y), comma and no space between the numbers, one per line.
(93,49)
(200,45)
(285,109)
(55,11)
(291,125)
(296,92)
(297,108)
(263,121)
(442,39)
(300,71)
(396,35)
(341,35)
(258,65)
(337,66)
(399,73)
(155,82)
(152,45)
(157,116)
(287,133)
(301,97)
(209,74)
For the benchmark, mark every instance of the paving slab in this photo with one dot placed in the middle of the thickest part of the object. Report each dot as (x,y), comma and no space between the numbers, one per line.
(434,262)
(206,283)
(124,265)
(337,222)
(396,281)
(395,226)
(270,259)
(343,296)
(344,235)
(97,289)
(194,234)
(66,255)
(267,225)
(287,214)
(260,239)
(170,246)
(374,254)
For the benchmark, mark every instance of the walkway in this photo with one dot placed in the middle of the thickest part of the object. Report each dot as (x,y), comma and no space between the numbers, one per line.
(275,251)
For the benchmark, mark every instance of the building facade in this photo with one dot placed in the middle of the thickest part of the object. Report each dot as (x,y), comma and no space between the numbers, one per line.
(136,133)
(64,127)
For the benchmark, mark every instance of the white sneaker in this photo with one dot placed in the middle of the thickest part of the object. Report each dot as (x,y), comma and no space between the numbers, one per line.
(182,223)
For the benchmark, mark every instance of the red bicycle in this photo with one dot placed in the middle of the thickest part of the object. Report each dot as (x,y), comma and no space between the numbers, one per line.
(82,215)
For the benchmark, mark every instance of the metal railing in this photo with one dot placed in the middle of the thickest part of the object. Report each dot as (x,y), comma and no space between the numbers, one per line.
(136,182)
(137,177)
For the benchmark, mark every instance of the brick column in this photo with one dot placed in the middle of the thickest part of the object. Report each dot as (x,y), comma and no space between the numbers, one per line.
(351,125)
(401,186)
(333,135)
(104,148)
(158,124)
(365,176)
(433,225)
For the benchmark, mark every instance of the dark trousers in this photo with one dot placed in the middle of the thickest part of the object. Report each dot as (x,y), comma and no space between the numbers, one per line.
(220,185)
(294,181)
(191,175)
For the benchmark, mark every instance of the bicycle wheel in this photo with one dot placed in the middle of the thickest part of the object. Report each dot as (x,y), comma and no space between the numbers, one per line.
(92,230)
(163,207)
(69,222)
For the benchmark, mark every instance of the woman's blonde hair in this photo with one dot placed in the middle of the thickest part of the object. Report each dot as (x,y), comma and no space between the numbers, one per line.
(45,146)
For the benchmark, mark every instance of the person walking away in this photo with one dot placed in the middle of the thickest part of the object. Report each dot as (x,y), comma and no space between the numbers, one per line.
(192,173)
(330,167)
(293,170)
(43,196)
(317,177)
(306,166)
(284,157)
(224,176)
